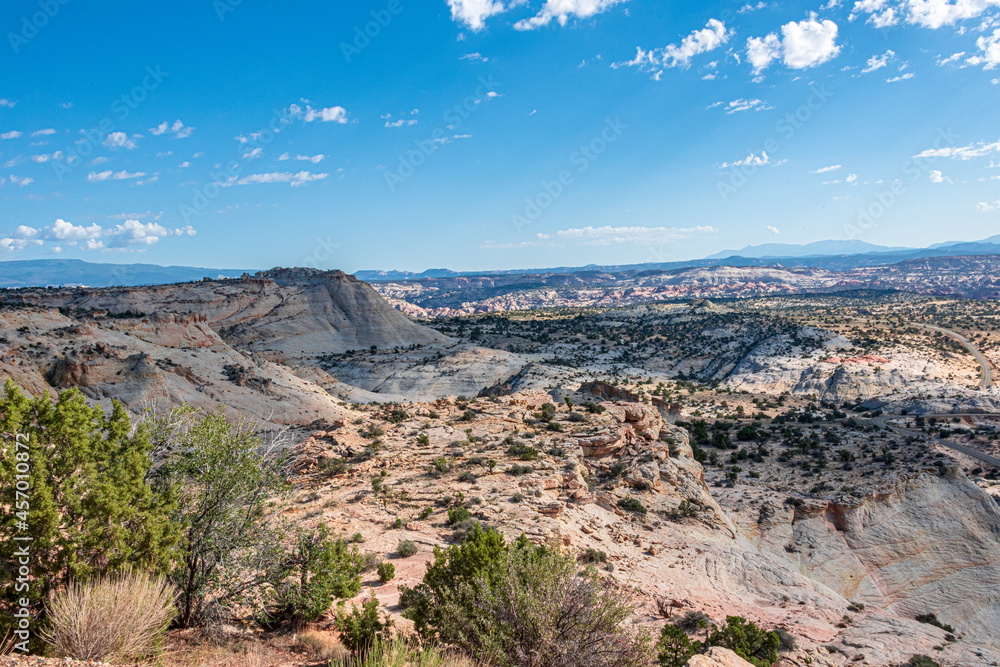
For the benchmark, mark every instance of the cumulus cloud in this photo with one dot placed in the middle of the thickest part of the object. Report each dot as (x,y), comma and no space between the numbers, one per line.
(43,133)
(753,160)
(562,11)
(21,181)
(13,134)
(4,102)
(878,62)
(969,152)
(773,230)
(901,77)
(95,177)
(129,234)
(253,154)
(177,129)
(986,207)
(117,140)
(295,180)
(925,13)
(802,44)
(473,13)
(626,235)
(709,38)
(824,170)
(309,115)
(989,46)
(315,159)
(402,122)
(58,155)
(743,104)
(937,176)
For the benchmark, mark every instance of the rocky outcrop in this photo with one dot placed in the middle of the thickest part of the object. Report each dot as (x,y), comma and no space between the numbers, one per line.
(717,657)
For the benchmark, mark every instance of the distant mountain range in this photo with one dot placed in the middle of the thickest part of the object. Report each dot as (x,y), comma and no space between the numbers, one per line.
(60,272)
(830,255)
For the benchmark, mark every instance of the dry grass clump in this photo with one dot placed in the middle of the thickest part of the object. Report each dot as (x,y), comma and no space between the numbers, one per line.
(401,653)
(321,646)
(114,619)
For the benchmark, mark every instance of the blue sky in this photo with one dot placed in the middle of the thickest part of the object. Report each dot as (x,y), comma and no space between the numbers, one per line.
(489,134)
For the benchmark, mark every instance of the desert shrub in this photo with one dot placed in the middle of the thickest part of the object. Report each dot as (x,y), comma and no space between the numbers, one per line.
(370,561)
(932,619)
(461,529)
(693,620)
(592,556)
(922,661)
(631,505)
(756,646)
(517,470)
(386,572)
(406,548)
(226,481)
(517,497)
(467,478)
(115,619)
(458,514)
(674,648)
(786,642)
(361,629)
(92,511)
(357,538)
(423,439)
(522,605)
(316,572)
(441,466)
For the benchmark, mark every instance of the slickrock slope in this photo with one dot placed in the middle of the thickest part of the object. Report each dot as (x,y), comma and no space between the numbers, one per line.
(623,482)
(157,362)
(290,312)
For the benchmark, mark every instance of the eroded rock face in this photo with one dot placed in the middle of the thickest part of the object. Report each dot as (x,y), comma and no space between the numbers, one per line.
(718,657)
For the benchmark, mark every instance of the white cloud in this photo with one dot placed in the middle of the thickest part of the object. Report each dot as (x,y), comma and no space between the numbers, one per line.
(295,180)
(562,11)
(13,134)
(21,181)
(177,129)
(851,178)
(990,47)
(986,207)
(315,159)
(711,37)
(130,233)
(117,140)
(955,57)
(746,105)
(938,177)
(43,133)
(925,13)
(773,230)
(824,170)
(4,102)
(184,165)
(402,122)
(308,114)
(803,44)
(753,160)
(746,9)
(901,77)
(45,158)
(14,161)
(95,177)
(473,13)
(969,152)
(878,62)
(253,154)
(475,57)
(618,235)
